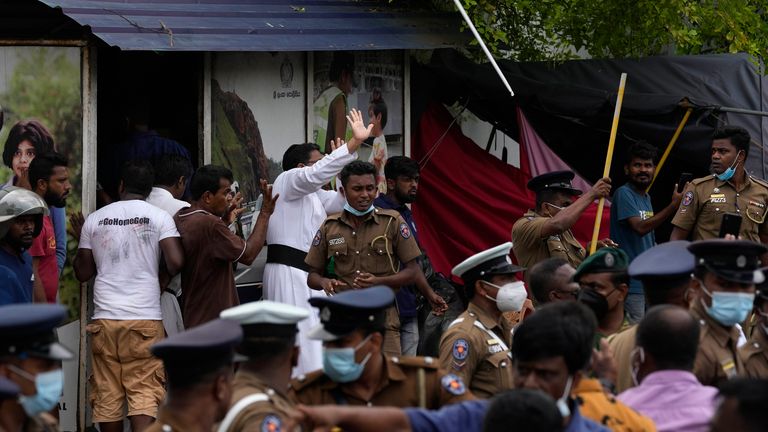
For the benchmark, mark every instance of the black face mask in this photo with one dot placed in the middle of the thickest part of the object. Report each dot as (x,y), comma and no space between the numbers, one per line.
(595,301)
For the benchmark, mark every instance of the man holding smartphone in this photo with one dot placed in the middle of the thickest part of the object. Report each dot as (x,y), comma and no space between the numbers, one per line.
(728,190)
(633,220)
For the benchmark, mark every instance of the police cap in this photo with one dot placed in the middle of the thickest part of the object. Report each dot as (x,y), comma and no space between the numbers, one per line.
(266,318)
(557,180)
(193,353)
(671,259)
(493,261)
(604,260)
(732,260)
(28,329)
(348,311)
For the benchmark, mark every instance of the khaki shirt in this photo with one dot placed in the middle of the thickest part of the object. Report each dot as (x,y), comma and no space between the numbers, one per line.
(377,246)
(469,351)
(406,382)
(706,199)
(530,247)
(168,421)
(754,354)
(270,415)
(717,359)
(622,344)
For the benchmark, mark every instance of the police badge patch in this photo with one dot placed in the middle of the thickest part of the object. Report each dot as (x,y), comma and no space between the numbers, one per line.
(405,231)
(453,384)
(316,240)
(271,423)
(688,198)
(460,349)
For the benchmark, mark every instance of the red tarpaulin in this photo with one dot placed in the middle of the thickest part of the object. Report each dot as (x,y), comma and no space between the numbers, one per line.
(468,199)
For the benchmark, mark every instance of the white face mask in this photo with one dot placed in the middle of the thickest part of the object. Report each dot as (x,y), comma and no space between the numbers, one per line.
(562,403)
(510,297)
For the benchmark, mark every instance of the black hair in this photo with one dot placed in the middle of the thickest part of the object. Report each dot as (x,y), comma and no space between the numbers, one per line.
(528,410)
(27,130)
(298,154)
(620,277)
(738,136)
(380,107)
(266,348)
(559,329)
(41,167)
(397,166)
(169,168)
(342,61)
(641,150)
(671,335)
(751,396)
(207,179)
(541,276)
(659,289)
(358,168)
(138,176)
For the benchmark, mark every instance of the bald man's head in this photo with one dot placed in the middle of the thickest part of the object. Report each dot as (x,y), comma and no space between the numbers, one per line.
(669,337)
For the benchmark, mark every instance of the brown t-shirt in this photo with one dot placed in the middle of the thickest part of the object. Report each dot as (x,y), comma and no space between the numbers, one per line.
(207,280)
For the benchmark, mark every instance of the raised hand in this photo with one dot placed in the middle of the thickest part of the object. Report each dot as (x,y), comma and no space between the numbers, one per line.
(268,205)
(360,132)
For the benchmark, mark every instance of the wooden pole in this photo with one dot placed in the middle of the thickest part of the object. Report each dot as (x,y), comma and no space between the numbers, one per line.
(669,146)
(608,158)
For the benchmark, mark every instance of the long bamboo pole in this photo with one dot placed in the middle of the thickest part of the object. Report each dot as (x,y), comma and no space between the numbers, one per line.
(608,158)
(669,146)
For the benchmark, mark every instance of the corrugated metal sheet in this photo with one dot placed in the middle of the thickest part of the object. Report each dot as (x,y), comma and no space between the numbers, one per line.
(253,25)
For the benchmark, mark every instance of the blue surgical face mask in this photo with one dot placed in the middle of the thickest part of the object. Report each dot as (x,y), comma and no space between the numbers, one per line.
(48,386)
(728,308)
(339,363)
(357,212)
(730,171)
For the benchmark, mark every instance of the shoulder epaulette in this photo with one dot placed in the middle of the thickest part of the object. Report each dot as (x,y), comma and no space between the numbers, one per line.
(702,179)
(302,380)
(416,361)
(760,181)
(387,212)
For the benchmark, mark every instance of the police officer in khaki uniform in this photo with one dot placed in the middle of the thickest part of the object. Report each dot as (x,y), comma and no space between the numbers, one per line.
(30,366)
(366,244)
(545,232)
(754,353)
(723,291)
(356,371)
(729,190)
(199,366)
(260,401)
(476,345)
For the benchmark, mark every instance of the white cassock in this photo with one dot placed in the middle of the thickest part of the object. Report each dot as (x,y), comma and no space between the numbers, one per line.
(301,209)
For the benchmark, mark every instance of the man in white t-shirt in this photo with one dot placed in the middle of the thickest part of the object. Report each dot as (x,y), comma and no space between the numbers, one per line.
(171,179)
(121,246)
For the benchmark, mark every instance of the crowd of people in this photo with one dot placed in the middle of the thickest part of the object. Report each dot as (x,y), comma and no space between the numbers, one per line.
(540,335)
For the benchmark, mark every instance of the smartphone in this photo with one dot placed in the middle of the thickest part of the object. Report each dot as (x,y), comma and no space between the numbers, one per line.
(731,224)
(684,178)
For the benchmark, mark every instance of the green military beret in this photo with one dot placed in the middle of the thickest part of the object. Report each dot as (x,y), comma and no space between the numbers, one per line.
(604,260)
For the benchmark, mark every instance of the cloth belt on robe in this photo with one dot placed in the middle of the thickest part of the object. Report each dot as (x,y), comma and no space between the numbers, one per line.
(282,254)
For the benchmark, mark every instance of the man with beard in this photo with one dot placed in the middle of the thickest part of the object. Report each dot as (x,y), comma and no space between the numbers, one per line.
(402,177)
(21,221)
(728,190)
(49,178)
(633,220)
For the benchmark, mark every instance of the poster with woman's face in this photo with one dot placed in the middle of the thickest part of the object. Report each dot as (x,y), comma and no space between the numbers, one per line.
(40,96)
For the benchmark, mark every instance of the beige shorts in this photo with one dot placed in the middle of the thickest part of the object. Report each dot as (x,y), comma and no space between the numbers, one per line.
(124,369)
